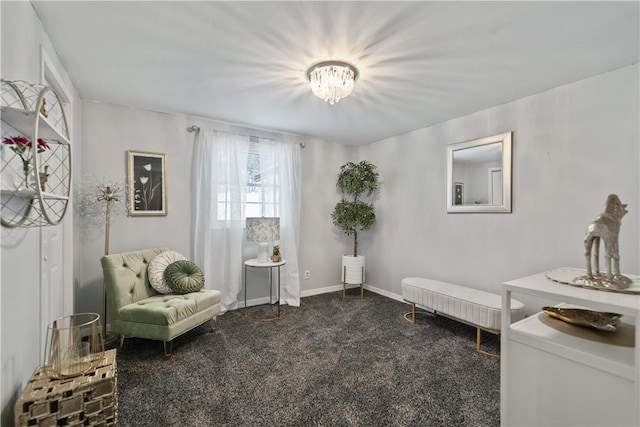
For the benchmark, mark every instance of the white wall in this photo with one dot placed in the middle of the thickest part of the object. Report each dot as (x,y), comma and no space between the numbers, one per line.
(573,146)
(321,244)
(109,130)
(23,39)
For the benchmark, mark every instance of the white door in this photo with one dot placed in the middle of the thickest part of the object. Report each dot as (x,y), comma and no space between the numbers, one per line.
(51,280)
(495,186)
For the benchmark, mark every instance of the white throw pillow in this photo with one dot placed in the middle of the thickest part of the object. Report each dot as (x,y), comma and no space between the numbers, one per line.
(155,270)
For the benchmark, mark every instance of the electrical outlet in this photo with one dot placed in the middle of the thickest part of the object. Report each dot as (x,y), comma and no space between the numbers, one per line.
(307,274)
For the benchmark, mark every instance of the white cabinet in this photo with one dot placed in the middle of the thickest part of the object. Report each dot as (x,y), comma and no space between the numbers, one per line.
(551,376)
(35,178)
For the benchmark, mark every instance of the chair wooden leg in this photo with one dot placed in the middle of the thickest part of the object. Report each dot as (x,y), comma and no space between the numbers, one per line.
(214,324)
(121,342)
(167,349)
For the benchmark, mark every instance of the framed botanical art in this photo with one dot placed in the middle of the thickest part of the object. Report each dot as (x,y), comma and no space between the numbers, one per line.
(147,183)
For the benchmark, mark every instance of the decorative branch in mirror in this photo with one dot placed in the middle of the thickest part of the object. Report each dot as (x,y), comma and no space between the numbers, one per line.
(479,175)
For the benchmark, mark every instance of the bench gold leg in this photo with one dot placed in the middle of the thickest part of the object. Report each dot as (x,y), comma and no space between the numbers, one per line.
(479,342)
(412,313)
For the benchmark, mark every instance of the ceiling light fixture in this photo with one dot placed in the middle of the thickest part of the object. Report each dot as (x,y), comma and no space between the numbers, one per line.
(332,80)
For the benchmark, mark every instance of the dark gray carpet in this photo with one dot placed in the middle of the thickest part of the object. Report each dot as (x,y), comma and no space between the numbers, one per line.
(330,362)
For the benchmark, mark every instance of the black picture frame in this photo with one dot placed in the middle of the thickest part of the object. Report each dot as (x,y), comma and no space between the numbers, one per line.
(147,183)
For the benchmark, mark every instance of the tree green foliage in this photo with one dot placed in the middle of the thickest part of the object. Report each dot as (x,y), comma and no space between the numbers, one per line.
(355,181)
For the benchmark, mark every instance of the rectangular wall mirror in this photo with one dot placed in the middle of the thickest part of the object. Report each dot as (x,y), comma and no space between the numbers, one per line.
(479,175)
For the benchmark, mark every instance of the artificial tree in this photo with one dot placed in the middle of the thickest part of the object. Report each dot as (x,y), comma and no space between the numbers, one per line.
(351,214)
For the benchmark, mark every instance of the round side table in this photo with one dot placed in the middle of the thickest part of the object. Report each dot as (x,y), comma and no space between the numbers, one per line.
(253,263)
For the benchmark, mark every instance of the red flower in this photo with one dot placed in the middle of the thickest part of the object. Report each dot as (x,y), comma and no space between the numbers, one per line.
(42,145)
(19,140)
(20,144)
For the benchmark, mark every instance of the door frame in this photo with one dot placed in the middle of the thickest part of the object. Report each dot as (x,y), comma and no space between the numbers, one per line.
(50,74)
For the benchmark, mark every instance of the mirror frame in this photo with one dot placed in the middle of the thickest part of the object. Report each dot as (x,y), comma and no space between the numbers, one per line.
(506,140)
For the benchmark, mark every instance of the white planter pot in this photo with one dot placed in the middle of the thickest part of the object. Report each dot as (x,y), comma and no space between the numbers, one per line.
(354,269)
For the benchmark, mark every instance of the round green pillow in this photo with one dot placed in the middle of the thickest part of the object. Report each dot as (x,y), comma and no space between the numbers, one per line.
(184,277)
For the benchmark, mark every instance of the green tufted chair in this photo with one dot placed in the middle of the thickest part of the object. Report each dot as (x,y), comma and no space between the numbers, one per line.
(137,310)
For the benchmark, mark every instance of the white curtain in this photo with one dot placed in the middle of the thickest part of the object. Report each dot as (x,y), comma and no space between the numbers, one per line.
(280,168)
(221,169)
(220,176)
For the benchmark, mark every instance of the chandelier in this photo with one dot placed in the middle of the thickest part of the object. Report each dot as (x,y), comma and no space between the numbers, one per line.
(332,80)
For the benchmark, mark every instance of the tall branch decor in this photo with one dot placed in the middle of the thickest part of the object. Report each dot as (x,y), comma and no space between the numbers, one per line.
(98,204)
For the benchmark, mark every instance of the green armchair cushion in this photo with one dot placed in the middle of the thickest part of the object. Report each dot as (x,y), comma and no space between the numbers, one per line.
(163,317)
(184,277)
(167,310)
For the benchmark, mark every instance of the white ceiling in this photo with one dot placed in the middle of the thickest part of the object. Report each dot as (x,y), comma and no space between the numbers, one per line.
(420,63)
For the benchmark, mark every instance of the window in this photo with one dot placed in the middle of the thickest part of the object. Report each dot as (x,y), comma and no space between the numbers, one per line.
(261,189)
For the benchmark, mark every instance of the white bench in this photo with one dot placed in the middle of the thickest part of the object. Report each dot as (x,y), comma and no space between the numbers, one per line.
(471,306)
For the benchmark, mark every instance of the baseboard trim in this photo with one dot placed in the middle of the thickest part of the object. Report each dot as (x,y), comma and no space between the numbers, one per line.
(319,291)
(325,290)
(336,288)
(384,293)
(257,301)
